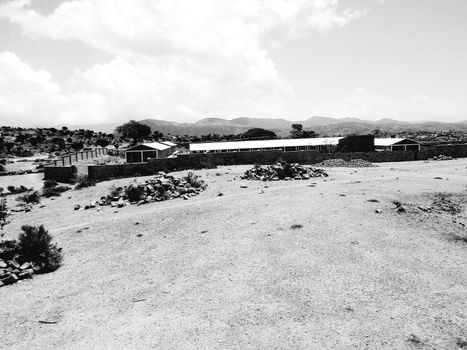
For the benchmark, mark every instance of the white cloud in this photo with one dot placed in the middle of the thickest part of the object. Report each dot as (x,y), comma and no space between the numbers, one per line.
(172,58)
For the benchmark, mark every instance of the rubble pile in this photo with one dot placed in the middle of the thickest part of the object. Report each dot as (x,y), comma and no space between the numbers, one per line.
(12,268)
(160,188)
(282,171)
(441,157)
(446,205)
(339,162)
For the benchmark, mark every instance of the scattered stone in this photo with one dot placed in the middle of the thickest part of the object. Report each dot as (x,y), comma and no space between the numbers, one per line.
(10,279)
(25,266)
(282,171)
(441,157)
(399,206)
(296,226)
(26,274)
(338,163)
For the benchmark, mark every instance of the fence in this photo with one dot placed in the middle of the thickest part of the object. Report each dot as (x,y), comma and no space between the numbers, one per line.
(102,172)
(72,158)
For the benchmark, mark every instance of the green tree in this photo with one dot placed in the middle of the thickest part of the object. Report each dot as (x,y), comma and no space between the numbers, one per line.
(297,132)
(134,130)
(258,133)
(102,142)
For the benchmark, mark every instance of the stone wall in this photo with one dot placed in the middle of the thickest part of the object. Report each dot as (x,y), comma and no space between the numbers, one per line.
(102,172)
(59,173)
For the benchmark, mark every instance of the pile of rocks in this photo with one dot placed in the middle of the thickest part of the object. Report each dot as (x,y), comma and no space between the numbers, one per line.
(450,206)
(353,163)
(160,188)
(282,171)
(11,271)
(441,157)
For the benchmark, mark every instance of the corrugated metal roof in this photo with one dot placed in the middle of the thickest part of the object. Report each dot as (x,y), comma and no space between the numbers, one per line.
(154,145)
(387,141)
(215,146)
(169,143)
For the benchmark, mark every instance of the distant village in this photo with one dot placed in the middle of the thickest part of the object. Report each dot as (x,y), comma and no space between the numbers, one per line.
(24,142)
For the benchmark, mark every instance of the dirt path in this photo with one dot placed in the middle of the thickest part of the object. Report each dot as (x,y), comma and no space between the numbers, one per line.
(230,272)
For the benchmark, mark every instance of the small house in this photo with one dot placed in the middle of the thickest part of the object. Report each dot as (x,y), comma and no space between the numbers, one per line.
(395,144)
(143,152)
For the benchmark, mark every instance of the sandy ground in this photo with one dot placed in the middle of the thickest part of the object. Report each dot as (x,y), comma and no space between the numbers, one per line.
(229,272)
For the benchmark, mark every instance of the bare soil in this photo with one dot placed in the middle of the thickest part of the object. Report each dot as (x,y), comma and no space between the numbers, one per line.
(276,265)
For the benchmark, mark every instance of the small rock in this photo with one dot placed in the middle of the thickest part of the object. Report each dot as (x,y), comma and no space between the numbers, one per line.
(26,274)
(13,263)
(379,211)
(139,235)
(243,186)
(77,207)
(10,279)
(25,266)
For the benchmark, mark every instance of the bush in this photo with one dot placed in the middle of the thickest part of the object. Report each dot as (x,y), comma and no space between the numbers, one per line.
(54,191)
(194,180)
(35,244)
(2,168)
(84,182)
(19,189)
(134,192)
(50,183)
(30,197)
(3,212)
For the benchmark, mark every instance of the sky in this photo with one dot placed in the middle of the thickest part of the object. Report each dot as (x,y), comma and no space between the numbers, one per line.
(108,61)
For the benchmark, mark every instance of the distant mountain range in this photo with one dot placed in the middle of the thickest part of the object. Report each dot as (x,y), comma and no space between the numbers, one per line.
(325,126)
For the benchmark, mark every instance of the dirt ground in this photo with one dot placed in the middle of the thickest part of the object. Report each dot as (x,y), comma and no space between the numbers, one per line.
(230,272)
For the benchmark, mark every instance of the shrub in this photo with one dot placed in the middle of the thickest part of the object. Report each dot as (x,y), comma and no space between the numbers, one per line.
(83,182)
(35,244)
(19,189)
(2,168)
(50,183)
(3,212)
(54,191)
(30,197)
(134,192)
(194,180)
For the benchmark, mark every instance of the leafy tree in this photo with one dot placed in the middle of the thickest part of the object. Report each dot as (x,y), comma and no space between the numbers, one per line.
(156,135)
(258,133)
(134,130)
(59,142)
(77,145)
(102,142)
(297,132)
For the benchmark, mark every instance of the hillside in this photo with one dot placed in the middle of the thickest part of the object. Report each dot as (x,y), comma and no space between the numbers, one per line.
(322,125)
